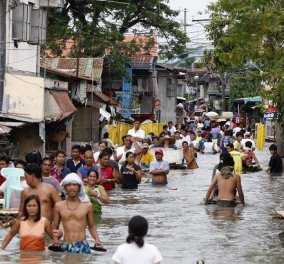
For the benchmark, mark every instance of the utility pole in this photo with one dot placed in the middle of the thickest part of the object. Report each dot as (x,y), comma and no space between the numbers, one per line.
(185,25)
(3,7)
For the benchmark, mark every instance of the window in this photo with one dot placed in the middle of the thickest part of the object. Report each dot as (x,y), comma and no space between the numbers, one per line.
(171,88)
(29,24)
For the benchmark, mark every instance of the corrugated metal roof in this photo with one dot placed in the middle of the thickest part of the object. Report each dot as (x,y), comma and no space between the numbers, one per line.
(90,68)
(143,61)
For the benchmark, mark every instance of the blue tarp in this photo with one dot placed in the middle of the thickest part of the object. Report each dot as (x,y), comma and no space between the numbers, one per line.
(255,99)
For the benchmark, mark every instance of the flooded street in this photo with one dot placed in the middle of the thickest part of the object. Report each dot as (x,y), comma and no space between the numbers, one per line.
(185,231)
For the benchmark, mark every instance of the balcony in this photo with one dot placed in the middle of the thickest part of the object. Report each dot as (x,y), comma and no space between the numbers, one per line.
(51,3)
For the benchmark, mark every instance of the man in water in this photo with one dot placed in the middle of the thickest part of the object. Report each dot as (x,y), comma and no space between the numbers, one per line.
(136,132)
(228,183)
(47,193)
(88,165)
(275,164)
(76,214)
(75,162)
(159,168)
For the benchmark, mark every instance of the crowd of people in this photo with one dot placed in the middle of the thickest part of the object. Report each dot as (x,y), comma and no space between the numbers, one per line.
(72,190)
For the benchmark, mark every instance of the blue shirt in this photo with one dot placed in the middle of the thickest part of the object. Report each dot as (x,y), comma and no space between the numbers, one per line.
(84,171)
(71,166)
(159,165)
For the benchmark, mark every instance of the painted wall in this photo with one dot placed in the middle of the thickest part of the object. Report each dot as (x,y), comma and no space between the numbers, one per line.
(25,96)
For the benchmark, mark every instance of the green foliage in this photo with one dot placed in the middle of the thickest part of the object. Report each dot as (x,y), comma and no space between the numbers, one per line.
(98,27)
(251,30)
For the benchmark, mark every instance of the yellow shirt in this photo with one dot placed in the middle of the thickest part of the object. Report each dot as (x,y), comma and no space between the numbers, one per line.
(198,139)
(237,156)
(146,159)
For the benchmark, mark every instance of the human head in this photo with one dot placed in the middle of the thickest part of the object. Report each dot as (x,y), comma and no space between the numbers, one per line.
(239,136)
(145,148)
(46,165)
(273,149)
(32,207)
(32,174)
(247,134)
(89,158)
(129,157)
(108,151)
(20,164)
(165,127)
(177,135)
(60,157)
(159,154)
(76,152)
(127,141)
(155,140)
(92,177)
(137,230)
(226,160)
(192,136)
(230,147)
(136,124)
(104,158)
(4,161)
(170,124)
(185,145)
(248,145)
(227,133)
(102,145)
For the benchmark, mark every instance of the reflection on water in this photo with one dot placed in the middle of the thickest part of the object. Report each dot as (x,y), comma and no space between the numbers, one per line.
(185,231)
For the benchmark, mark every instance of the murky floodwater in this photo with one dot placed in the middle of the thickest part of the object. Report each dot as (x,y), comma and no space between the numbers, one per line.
(183,230)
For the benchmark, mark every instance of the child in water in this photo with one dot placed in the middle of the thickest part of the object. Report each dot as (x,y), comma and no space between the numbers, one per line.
(31,227)
(135,250)
(96,193)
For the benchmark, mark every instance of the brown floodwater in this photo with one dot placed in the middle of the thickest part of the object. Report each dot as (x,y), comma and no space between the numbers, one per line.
(183,230)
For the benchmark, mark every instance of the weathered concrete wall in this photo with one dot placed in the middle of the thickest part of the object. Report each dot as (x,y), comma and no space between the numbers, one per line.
(146,105)
(83,131)
(168,104)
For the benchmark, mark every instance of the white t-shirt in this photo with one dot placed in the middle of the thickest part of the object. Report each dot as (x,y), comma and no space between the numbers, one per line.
(121,150)
(139,133)
(15,195)
(132,254)
(243,142)
(178,143)
(172,130)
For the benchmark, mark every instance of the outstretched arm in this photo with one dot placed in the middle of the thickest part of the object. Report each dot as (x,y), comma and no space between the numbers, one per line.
(92,226)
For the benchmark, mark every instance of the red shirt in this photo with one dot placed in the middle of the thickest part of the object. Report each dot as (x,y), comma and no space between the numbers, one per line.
(106,173)
(2,179)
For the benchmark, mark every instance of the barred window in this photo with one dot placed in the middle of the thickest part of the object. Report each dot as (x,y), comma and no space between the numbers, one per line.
(171,88)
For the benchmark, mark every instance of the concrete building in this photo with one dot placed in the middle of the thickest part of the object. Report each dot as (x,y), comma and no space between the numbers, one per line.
(22,90)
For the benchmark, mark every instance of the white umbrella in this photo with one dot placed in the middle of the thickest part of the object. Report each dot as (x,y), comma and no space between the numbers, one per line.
(211,114)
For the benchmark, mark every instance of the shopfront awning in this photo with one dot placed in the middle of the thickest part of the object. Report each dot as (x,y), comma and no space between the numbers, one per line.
(57,106)
(255,99)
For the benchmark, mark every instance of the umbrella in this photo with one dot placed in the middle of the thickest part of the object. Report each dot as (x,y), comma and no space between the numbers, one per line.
(211,114)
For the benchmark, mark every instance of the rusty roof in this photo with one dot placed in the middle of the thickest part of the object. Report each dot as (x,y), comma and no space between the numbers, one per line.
(89,68)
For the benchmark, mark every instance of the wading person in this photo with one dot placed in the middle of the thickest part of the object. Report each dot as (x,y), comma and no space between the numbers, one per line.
(31,226)
(130,173)
(96,193)
(146,156)
(75,162)
(47,194)
(76,214)
(88,165)
(275,164)
(46,166)
(136,132)
(108,175)
(59,170)
(189,155)
(136,250)
(159,168)
(227,182)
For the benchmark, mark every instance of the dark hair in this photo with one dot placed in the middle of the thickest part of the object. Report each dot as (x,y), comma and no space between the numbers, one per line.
(231,145)
(227,133)
(184,142)
(137,229)
(128,154)
(60,152)
(226,160)
(25,212)
(106,135)
(209,139)
(165,126)
(248,144)
(46,159)
(22,162)
(78,147)
(35,169)
(5,158)
(97,174)
(103,142)
(170,122)
(108,151)
(104,153)
(273,147)
(239,134)
(87,147)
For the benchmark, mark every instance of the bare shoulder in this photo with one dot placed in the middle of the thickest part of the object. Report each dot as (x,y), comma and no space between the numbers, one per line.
(60,204)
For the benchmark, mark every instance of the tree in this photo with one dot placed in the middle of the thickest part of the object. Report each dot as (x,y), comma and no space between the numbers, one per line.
(98,27)
(244,31)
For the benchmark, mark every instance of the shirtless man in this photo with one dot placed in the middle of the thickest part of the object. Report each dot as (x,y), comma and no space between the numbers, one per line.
(159,168)
(76,213)
(47,193)
(228,182)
